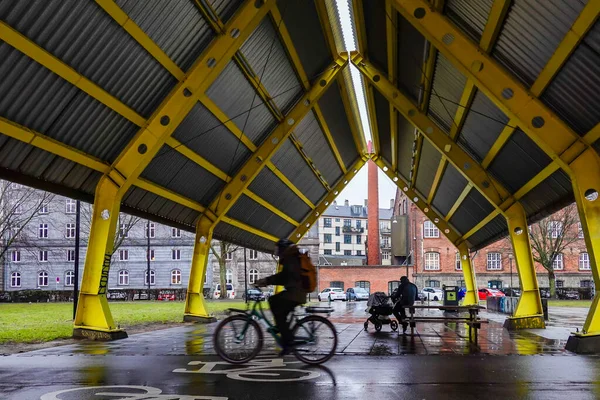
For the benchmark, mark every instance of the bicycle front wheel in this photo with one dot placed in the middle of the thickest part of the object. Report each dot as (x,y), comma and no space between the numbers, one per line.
(315,339)
(238,339)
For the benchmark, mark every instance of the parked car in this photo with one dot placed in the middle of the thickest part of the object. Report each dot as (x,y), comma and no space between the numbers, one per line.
(254,295)
(432,294)
(116,295)
(511,292)
(545,293)
(166,295)
(333,294)
(486,292)
(357,293)
(568,295)
(230,291)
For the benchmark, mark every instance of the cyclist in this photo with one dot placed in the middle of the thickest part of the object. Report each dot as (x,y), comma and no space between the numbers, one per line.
(282,304)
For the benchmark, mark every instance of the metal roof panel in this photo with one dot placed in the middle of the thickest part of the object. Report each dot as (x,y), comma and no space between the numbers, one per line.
(375,26)
(428,165)
(451,186)
(231,234)
(472,211)
(470,16)
(250,212)
(493,230)
(225,8)
(410,57)
(406,138)
(448,86)
(382,114)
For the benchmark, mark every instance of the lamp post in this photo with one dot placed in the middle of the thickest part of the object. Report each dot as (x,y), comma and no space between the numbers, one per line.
(510,258)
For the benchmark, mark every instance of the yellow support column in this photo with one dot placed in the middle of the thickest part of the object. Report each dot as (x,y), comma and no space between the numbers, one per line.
(195,310)
(529,313)
(471,297)
(586,186)
(93,319)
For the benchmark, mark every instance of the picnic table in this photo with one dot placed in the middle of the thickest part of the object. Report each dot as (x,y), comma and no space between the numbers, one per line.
(473,320)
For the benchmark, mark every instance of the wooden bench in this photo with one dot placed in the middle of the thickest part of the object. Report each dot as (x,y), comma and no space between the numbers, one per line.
(473,320)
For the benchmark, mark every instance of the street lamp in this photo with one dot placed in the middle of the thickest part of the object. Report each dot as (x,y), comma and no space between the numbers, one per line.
(510,257)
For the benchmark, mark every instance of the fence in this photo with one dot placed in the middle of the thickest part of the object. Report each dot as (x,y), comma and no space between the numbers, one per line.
(507,305)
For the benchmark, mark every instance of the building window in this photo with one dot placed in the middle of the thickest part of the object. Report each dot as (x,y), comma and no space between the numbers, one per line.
(337,246)
(461,283)
(327,252)
(555,229)
(253,276)
(15,256)
(44,208)
(123,278)
(43,256)
(327,238)
(70,255)
(586,283)
(337,220)
(176,277)
(359,252)
(347,239)
(495,284)
(385,242)
(337,284)
(458,264)
(358,224)
(584,261)
(43,231)
(432,283)
(560,283)
(430,230)
(347,252)
(175,232)
(229,255)
(494,261)
(70,233)
(15,279)
(70,206)
(229,276)
(385,255)
(392,285)
(176,254)
(348,223)
(150,255)
(579,230)
(558,264)
(123,255)
(70,278)
(253,255)
(432,261)
(18,210)
(326,222)
(358,239)
(337,231)
(152,229)
(42,279)
(363,284)
(123,231)
(152,277)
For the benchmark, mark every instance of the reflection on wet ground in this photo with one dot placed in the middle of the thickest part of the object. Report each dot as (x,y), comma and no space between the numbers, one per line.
(429,338)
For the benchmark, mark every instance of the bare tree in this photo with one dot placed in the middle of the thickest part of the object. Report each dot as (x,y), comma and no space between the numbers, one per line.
(224,249)
(124,226)
(551,236)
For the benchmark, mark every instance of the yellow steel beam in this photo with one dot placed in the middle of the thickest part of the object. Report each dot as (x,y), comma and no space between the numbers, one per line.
(472,295)
(44,58)
(298,145)
(372,117)
(270,207)
(351,107)
(289,184)
(392,48)
(249,228)
(436,180)
(481,224)
(198,159)
(121,18)
(499,143)
(210,15)
(329,137)
(593,134)
(416,159)
(429,67)
(463,195)
(326,26)
(361,30)
(195,310)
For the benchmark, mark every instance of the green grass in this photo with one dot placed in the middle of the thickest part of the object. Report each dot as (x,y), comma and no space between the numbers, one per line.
(42,322)
(570,303)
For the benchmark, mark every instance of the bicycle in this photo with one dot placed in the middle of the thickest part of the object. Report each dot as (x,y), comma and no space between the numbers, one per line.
(239,338)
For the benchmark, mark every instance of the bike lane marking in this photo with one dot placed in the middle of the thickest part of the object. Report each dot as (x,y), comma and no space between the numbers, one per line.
(150,393)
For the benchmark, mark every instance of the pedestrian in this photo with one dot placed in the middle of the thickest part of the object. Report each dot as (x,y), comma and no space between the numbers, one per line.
(404,296)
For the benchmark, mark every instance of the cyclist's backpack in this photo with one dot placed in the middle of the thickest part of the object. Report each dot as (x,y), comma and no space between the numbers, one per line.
(308,271)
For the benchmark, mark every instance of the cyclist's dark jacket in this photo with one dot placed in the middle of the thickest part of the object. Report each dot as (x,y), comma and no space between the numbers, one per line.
(290,275)
(406,294)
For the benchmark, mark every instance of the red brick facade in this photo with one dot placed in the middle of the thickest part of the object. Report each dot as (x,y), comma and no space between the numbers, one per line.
(373,248)
(379,277)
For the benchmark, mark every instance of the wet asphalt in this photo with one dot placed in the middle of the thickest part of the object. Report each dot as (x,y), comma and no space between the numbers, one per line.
(437,363)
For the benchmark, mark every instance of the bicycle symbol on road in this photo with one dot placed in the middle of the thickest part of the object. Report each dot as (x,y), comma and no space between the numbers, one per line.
(126,392)
(257,370)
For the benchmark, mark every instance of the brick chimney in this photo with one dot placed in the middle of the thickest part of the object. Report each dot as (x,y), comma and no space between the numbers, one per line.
(374,251)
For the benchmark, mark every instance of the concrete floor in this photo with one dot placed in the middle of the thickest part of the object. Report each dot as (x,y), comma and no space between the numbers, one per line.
(438,362)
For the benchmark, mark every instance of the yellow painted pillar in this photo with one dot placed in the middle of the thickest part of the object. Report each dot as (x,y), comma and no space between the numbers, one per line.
(93,319)
(471,297)
(529,312)
(195,309)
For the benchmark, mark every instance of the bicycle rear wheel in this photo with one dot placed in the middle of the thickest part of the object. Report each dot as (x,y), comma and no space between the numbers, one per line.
(315,339)
(238,339)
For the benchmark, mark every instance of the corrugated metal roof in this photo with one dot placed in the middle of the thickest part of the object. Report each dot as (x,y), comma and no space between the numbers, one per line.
(268,59)
(451,186)
(317,148)
(406,137)
(173,171)
(553,191)
(518,162)
(225,9)
(232,84)
(336,119)
(250,212)
(176,26)
(470,16)
(532,32)
(483,125)
(230,233)
(202,132)
(86,38)
(428,165)
(267,186)
(410,57)
(447,89)
(574,93)
(289,161)
(382,115)
(151,203)
(302,22)
(375,27)
(495,229)
(472,210)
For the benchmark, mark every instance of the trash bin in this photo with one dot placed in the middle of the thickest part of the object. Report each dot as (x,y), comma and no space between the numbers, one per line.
(450,295)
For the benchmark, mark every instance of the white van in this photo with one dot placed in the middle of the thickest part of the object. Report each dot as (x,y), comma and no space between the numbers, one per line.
(230,291)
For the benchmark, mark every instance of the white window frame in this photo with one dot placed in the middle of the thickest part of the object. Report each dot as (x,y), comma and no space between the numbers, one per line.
(70,255)
(43,256)
(18,209)
(385,255)
(70,278)
(43,231)
(152,230)
(430,231)
(152,255)
(558,264)
(44,208)
(253,255)
(584,261)
(494,261)
(580,234)
(175,232)
(458,262)
(15,256)
(253,276)
(43,279)
(176,277)
(70,231)
(123,277)
(124,255)
(70,206)
(175,254)
(229,256)
(15,279)
(432,261)
(229,276)
(152,277)
(123,231)
(555,229)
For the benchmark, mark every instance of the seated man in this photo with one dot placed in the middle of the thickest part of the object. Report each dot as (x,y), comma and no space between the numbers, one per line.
(294,294)
(404,296)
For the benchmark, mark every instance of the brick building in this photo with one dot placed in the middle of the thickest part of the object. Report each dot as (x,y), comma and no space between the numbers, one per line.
(375,278)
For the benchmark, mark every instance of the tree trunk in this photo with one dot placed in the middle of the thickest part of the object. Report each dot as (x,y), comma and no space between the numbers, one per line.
(223,276)
(552,284)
